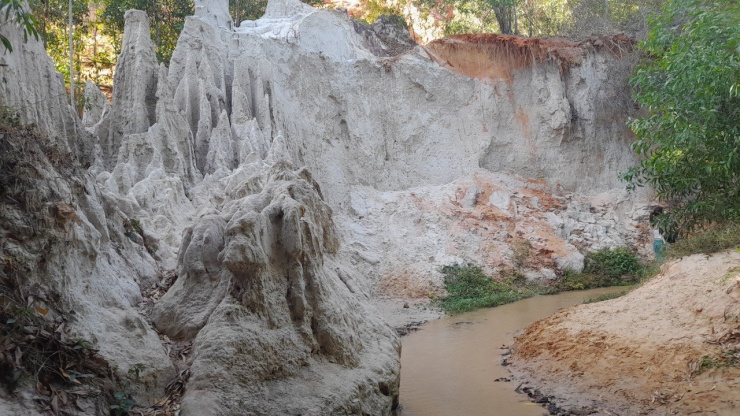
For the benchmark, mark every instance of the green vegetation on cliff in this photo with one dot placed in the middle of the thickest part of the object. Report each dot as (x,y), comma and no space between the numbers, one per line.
(689,85)
(469,288)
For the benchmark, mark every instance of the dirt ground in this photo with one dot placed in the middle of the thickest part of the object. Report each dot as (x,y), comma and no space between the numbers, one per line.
(660,350)
(406,314)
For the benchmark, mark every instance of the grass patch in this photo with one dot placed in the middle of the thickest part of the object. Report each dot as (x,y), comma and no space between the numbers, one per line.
(710,240)
(469,288)
(727,358)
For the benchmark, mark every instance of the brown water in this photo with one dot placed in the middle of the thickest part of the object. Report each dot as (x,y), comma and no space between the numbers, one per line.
(448,367)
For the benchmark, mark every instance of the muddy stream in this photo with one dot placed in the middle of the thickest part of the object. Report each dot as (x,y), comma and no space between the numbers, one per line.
(448,367)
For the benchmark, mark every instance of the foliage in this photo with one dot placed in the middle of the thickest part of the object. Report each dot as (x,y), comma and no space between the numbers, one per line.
(589,18)
(612,263)
(9,117)
(94,52)
(468,288)
(373,9)
(122,403)
(167,19)
(505,12)
(689,84)
(710,240)
(603,268)
(544,18)
(246,9)
(15,13)
(569,18)
(34,350)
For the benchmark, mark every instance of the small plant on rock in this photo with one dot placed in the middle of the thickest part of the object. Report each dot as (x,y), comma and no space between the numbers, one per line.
(123,403)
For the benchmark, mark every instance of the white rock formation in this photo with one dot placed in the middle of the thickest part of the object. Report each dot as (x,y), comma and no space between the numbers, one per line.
(261,287)
(31,88)
(135,81)
(389,125)
(66,232)
(96,105)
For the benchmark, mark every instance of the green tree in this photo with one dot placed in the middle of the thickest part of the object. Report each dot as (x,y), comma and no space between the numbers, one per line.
(167,20)
(589,17)
(246,9)
(16,14)
(93,53)
(505,11)
(689,85)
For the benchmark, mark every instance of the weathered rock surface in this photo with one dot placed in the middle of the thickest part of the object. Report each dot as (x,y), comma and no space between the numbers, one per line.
(278,317)
(31,88)
(389,125)
(96,105)
(133,107)
(64,241)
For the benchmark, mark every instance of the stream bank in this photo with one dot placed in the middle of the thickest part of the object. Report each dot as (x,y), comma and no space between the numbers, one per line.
(669,347)
(453,365)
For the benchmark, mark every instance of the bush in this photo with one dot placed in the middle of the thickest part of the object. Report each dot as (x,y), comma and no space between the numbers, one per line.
(469,288)
(612,263)
(689,138)
(607,267)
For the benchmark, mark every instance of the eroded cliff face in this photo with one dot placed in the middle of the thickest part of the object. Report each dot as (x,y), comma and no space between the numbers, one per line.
(275,322)
(69,253)
(193,187)
(304,86)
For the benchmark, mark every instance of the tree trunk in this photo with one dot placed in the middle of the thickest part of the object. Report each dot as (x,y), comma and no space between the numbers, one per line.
(71,60)
(503,16)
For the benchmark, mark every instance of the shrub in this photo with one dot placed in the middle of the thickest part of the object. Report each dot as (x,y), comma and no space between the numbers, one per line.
(689,137)
(607,267)
(468,288)
(612,263)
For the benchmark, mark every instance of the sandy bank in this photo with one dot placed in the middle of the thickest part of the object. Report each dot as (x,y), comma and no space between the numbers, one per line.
(643,353)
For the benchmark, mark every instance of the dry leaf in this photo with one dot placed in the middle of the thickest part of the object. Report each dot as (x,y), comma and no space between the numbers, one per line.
(55,404)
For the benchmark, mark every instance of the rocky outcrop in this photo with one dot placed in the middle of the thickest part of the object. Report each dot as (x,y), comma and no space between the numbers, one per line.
(263,290)
(66,249)
(135,86)
(32,90)
(259,242)
(391,124)
(96,105)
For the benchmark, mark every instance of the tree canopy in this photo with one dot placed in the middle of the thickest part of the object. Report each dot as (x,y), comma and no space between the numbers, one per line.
(689,86)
